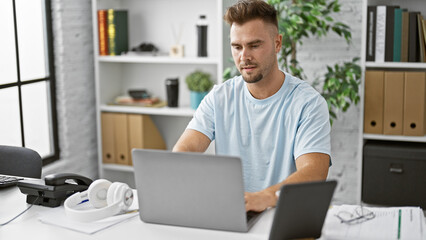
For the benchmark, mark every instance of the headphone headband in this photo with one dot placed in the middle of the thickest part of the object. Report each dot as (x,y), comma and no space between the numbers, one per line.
(78,206)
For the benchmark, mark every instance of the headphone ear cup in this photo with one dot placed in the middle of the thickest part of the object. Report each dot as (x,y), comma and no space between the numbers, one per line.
(120,192)
(97,193)
(113,194)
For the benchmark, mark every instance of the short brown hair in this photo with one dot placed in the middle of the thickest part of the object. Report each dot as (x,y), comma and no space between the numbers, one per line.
(246,10)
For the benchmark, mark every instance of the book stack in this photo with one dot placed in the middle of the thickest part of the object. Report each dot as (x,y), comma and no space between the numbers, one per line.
(395,35)
(112,32)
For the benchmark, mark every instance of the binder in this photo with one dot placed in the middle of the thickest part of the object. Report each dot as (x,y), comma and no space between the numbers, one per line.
(373,106)
(421,38)
(414,104)
(371,33)
(397,34)
(121,138)
(389,37)
(143,133)
(393,103)
(404,36)
(380,40)
(108,143)
(135,130)
(413,38)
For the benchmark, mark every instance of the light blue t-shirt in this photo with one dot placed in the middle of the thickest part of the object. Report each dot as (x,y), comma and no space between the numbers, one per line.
(268,134)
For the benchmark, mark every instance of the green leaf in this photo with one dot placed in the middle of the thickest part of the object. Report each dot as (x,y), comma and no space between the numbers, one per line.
(299,19)
(199,81)
(315,12)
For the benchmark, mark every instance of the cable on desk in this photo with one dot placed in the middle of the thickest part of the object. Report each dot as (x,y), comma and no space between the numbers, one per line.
(2,224)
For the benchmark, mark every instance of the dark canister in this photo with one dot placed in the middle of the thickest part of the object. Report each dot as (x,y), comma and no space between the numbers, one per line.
(172,88)
(202,36)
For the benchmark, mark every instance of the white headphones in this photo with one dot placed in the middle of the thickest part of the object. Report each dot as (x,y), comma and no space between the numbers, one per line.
(107,198)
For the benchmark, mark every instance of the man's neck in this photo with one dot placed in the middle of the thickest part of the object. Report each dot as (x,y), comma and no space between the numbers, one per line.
(268,86)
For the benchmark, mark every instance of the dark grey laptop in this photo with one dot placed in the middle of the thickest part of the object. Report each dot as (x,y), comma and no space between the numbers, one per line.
(191,190)
(301,210)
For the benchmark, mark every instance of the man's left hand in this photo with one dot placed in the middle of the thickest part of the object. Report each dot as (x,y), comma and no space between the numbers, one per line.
(259,201)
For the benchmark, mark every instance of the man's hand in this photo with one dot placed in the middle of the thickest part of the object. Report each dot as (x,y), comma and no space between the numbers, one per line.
(259,201)
(310,167)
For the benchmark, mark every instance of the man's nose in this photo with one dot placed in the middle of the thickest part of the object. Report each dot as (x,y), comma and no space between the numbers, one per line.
(245,54)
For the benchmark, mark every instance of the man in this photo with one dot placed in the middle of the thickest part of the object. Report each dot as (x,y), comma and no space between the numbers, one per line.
(276,123)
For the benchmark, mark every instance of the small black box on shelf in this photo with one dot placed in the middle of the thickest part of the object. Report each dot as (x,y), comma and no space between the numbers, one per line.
(394,173)
(138,93)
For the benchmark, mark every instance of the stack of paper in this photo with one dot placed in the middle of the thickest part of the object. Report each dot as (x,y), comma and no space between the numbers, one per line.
(57,217)
(388,223)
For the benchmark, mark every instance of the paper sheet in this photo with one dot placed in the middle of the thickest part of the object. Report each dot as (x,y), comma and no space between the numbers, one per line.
(389,223)
(57,217)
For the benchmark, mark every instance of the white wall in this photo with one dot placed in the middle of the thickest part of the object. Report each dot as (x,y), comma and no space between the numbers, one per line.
(73,47)
(73,50)
(314,55)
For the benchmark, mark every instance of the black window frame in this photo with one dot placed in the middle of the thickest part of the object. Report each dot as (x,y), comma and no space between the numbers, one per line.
(51,81)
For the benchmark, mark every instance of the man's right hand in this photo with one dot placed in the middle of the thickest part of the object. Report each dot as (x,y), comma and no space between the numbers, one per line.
(260,201)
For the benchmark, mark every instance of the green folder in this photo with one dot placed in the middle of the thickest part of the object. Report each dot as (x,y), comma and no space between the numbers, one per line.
(397,35)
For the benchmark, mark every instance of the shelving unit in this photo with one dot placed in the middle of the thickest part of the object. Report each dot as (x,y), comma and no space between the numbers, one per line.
(159,60)
(394,138)
(411,5)
(164,111)
(395,65)
(156,22)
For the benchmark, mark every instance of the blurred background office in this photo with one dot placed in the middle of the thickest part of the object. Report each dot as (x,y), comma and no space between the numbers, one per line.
(73,49)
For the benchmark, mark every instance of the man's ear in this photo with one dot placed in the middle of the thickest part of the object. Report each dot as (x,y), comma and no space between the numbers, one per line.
(278,42)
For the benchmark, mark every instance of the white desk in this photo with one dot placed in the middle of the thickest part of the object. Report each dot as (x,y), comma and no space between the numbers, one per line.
(27,226)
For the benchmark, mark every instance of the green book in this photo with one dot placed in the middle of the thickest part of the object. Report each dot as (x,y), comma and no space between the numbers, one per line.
(118,37)
(397,33)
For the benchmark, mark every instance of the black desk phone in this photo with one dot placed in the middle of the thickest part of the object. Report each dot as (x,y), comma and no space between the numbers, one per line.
(54,189)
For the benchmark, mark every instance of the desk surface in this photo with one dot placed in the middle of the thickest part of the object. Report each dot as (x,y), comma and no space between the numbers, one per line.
(27,226)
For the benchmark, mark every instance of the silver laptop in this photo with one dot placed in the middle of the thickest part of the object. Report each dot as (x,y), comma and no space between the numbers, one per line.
(191,190)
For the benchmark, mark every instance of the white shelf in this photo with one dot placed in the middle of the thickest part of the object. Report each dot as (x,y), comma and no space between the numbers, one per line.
(158,59)
(395,65)
(164,111)
(395,138)
(411,5)
(117,167)
(155,21)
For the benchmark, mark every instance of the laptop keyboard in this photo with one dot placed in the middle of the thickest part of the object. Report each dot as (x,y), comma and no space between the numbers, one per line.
(251,214)
(7,181)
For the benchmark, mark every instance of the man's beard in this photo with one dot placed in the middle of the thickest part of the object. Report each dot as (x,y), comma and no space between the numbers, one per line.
(253,79)
(247,77)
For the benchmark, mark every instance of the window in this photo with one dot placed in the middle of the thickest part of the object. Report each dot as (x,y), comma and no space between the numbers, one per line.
(27,79)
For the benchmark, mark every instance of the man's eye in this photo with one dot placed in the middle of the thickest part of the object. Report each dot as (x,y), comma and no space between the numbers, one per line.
(255,46)
(237,47)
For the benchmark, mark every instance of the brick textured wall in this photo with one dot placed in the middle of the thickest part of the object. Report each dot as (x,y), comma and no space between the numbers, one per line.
(75,92)
(75,88)
(314,55)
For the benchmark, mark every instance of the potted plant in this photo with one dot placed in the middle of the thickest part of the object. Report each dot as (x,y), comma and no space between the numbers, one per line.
(199,83)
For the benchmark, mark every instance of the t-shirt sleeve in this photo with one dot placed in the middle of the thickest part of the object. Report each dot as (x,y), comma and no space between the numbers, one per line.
(203,120)
(313,133)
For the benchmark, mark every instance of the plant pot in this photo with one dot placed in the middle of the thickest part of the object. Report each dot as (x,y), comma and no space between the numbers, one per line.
(196,98)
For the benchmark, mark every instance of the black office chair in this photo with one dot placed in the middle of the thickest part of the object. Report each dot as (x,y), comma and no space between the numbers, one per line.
(20,161)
